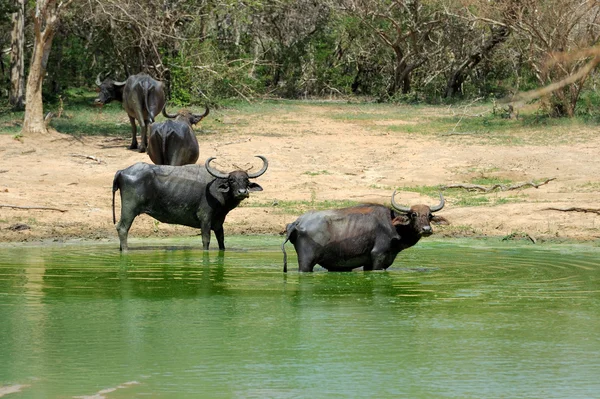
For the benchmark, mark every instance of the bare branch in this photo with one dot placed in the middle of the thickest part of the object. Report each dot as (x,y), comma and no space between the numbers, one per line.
(43,208)
(93,158)
(537,93)
(476,187)
(574,209)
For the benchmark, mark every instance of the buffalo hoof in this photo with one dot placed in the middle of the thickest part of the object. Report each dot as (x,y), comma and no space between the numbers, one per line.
(133,147)
(142,149)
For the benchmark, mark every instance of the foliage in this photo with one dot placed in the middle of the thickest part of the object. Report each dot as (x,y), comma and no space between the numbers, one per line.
(393,51)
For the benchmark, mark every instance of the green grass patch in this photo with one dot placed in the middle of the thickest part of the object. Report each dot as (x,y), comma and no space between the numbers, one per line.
(472,201)
(317,173)
(461,198)
(376,112)
(381,187)
(490,181)
(260,108)
(11,122)
(431,191)
(470,125)
(299,207)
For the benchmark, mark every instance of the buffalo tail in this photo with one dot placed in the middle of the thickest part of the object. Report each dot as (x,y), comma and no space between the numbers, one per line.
(289,230)
(114,190)
(147,90)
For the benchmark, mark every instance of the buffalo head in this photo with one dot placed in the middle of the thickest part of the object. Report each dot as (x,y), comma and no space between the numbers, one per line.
(186,116)
(418,217)
(108,90)
(237,182)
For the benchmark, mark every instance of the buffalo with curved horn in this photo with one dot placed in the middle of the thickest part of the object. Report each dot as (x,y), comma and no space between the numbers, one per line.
(174,142)
(143,98)
(367,235)
(198,196)
(414,221)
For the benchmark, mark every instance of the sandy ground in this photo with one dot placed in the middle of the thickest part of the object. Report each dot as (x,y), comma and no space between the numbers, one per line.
(312,158)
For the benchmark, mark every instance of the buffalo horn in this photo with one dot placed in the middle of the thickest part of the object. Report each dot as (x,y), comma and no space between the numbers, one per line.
(98,81)
(205,112)
(214,172)
(201,116)
(439,206)
(166,114)
(398,207)
(263,169)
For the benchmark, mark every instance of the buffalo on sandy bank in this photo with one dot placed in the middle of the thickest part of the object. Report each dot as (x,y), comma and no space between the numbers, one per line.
(143,98)
(174,142)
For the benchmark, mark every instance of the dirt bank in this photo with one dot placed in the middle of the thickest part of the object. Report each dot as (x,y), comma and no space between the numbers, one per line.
(313,158)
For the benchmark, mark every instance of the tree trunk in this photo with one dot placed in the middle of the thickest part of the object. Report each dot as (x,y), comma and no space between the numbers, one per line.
(457,78)
(17,53)
(44,24)
(401,73)
(34,107)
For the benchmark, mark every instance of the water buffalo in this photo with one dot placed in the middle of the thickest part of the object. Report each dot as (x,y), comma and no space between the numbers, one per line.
(174,142)
(143,99)
(191,195)
(366,235)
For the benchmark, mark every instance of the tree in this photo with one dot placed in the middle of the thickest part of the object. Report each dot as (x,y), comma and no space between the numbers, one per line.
(17,57)
(45,20)
(498,35)
(550,29)
(409,27)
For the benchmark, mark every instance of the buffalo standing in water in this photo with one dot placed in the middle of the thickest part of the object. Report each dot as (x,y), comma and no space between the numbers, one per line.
(191,195)
(366,235)
(143,99)
(174,142)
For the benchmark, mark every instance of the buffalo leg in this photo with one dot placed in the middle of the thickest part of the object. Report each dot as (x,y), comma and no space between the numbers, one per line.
(134,143)
(306,256)
(378,263)
(205,236)
(380,259)
(123,230)
(220,234)
(144,135)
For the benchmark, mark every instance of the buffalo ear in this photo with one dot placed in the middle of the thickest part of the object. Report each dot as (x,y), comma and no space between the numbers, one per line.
(254,187)
(401,220)
(223,187)
(440,220)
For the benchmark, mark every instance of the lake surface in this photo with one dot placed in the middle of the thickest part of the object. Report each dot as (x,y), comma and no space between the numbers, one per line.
(450,319)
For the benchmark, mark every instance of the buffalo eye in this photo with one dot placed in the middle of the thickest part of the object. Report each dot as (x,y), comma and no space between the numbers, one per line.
(413,215)
(430,216)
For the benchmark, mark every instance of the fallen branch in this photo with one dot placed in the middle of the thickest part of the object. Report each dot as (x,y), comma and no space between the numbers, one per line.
(476,187)
(574,209)
(453,133)
(93,158)
(43,208)
(233,142)
(513,236)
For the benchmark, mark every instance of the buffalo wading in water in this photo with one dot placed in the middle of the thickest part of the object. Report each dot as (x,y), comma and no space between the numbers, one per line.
(174,142)
(143,98)
(191,195)
(367,235)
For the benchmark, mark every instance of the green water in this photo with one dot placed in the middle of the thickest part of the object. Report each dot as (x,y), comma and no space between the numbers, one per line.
(450,319)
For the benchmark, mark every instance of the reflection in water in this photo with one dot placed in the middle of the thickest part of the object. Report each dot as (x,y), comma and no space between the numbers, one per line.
(447,320)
